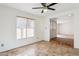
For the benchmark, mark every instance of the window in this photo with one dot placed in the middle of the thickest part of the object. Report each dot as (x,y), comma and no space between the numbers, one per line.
(24,28)
(30,28)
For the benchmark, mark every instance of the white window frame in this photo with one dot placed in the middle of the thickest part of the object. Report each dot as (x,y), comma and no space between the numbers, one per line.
(22,28)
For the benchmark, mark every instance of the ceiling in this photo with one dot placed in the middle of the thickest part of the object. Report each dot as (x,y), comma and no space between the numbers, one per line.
(27,7)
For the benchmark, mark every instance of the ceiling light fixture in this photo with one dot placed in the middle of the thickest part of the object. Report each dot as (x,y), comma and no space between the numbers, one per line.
(70,15)
(45,10)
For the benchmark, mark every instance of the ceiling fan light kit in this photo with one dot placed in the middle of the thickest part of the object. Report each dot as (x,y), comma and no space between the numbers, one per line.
(45,10)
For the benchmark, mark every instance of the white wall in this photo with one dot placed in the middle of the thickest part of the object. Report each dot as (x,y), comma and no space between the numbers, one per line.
(8,28)
(66,27)
(46,29)
(76,28)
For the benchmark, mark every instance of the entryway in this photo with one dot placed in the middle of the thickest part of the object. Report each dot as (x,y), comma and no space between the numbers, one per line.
(61,30)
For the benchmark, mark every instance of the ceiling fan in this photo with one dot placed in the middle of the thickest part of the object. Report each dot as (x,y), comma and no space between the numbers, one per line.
(45,7)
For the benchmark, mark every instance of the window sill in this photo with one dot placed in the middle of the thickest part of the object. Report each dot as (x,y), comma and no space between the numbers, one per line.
(26,38)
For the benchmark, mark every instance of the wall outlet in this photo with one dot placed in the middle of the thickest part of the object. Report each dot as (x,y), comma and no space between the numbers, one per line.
(2,45)
(37,37)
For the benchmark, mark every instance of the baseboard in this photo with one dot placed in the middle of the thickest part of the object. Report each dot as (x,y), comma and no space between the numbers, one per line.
(21,46)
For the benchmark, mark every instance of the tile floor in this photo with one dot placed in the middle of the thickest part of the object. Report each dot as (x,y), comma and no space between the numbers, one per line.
(43,48)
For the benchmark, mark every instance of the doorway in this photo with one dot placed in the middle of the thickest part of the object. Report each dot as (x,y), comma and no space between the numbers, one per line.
(61,29)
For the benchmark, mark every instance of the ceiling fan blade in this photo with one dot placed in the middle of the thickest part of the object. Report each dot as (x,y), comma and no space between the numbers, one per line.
(51,4)
(51,9)
(37,8)
(42,11)
(43,4)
